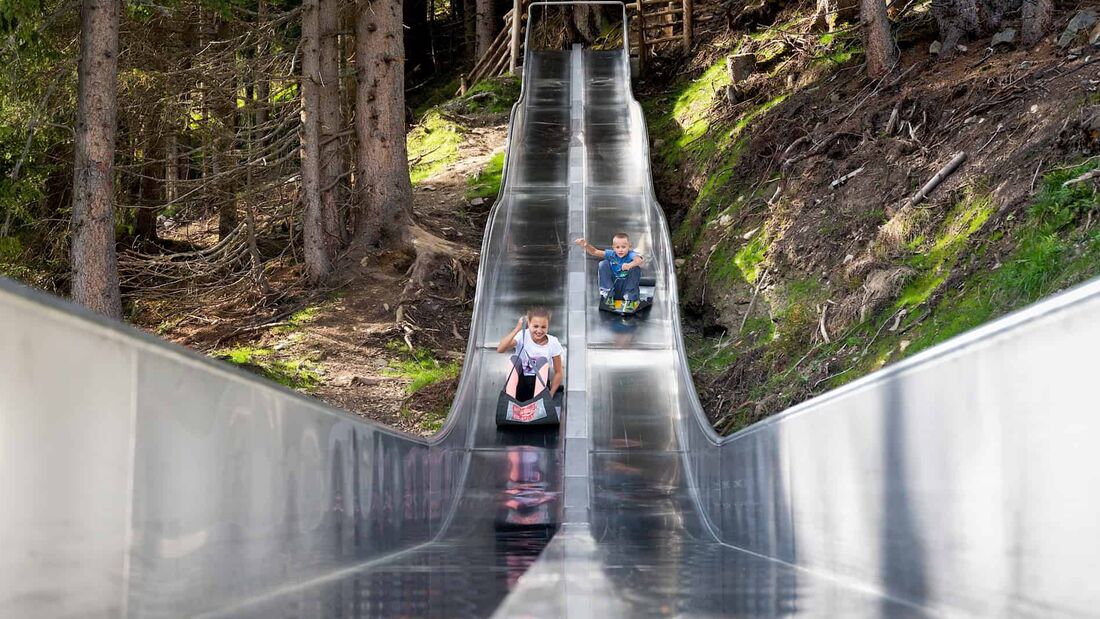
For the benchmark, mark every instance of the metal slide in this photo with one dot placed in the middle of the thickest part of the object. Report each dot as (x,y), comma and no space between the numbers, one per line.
(139,479)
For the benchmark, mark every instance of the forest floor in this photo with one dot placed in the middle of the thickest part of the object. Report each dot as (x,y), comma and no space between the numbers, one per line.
(343,344)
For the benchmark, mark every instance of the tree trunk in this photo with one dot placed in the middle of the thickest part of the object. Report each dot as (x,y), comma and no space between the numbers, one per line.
(589,21)
(94,259)
(956,19)
(263,87)
(225,142)
(486,30)
(1036,20)
(333,165)
(317,258)
(382,175)
(469,27)
(877,39)
(150,194)
(172,168)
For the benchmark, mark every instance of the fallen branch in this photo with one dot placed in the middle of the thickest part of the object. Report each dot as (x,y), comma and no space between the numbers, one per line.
(844,179)
(1091,174)
(752,302)
(821,324)
(940,176)
(893,122)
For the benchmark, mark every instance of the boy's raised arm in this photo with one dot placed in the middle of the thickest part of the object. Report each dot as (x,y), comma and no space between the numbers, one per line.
(589,248)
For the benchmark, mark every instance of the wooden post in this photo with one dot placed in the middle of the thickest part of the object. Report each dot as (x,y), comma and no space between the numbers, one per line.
(688,25)
(517,24)
(641,39)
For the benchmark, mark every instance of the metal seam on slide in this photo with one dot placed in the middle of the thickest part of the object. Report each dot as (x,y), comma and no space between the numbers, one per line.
(576,494)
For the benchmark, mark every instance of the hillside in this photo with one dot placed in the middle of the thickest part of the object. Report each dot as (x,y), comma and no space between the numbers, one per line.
(803,260)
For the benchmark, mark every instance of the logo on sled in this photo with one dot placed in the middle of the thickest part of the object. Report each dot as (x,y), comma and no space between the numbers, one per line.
(527,412)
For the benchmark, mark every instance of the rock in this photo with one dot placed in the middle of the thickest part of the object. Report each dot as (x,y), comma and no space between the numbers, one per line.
(678,263)
(725,220)
(1004,37)
(731,95)
(935,48)
(477,202)
(849,258)
(835,98)
(740,66)
(1083,20)
(962,49)
(428,187)
(1034,109)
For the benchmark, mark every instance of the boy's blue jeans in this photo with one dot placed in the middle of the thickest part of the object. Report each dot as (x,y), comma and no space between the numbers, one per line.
(626,287)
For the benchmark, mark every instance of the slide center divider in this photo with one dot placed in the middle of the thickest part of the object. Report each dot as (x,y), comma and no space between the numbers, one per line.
(577,424)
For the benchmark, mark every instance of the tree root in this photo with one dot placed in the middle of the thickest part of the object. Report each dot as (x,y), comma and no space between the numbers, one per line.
(434,255)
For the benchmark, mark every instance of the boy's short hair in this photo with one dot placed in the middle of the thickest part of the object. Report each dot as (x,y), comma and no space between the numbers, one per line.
(538,312)
(621,235)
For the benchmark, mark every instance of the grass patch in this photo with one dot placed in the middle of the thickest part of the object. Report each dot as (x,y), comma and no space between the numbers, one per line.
(708,354)
(433,145)
(420,367)
(486,183)
(298,320)
(935,258)
(299,374)
(492,96)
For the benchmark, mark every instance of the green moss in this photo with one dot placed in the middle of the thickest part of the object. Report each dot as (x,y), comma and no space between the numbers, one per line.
(486,183)
(299,319)
(492,96)
(838,48)
(796,316)
(749,258)
(745,120)
(300,374)
(433,145)
(695,98)
(420,367)
(935,258)
(760,327)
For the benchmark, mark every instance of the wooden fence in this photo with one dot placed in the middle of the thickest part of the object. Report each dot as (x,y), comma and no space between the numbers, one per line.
(655,24)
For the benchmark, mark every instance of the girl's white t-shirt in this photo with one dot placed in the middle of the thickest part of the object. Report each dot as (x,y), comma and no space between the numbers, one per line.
(530,352)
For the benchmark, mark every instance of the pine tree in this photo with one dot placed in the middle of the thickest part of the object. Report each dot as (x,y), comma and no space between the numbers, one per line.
(94,258)
(382,173)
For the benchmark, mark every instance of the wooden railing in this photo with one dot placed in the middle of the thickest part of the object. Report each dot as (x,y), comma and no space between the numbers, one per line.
(660,22)
(504,54)
(654,23)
